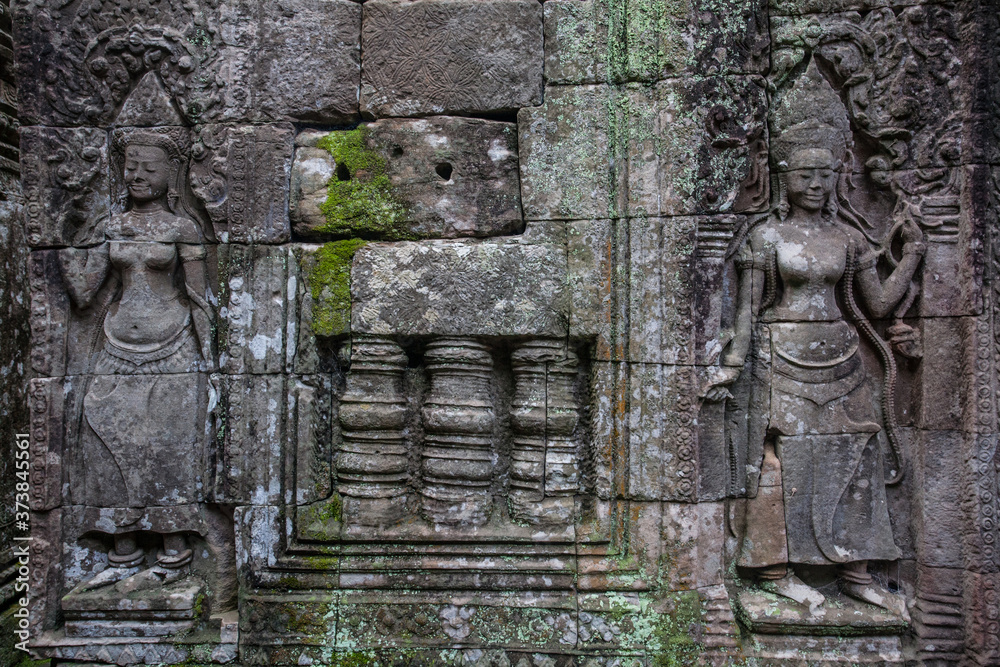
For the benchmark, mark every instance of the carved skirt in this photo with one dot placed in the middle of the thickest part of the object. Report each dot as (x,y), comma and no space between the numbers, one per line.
(143,432)
(826,427)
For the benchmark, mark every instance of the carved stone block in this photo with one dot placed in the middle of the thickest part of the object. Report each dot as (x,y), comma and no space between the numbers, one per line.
(309,64)
(546,469)
(688,155)
(249,463)
(65,181)
(505,289)
(254,315)
(430,178)
(461,57)
(111,61)
(591,41)
(240,175)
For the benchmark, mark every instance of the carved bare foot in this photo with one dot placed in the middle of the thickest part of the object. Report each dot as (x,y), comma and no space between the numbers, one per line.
(154,577)
(879,597)
(795,589)
(107,577)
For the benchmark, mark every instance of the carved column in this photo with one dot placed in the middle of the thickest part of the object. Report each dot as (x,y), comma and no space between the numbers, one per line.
(372,460)
(545,468)
(458,461)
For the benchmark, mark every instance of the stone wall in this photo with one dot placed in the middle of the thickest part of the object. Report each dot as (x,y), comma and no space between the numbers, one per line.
(506,332)
(13,346)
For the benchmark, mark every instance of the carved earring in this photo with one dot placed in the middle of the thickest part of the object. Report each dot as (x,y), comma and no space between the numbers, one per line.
(783,206)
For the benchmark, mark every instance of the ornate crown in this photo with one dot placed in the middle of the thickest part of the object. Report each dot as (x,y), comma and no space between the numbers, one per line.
(809,115)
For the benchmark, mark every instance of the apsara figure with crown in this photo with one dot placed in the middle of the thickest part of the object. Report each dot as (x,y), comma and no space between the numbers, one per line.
(818,438)
(144,413)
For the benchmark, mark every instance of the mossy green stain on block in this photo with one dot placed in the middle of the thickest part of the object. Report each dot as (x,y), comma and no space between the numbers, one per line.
(673,635)
(330,287)
(360,199)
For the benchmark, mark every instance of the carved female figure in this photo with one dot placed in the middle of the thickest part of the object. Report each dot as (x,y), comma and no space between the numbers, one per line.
(144,418)
(815,428)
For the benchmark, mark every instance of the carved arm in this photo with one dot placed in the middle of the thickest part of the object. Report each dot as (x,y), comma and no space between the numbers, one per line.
(882,297)
(84,271)
(197,285)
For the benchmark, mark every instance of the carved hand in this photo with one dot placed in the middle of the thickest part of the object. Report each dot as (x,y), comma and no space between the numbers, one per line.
(718,383)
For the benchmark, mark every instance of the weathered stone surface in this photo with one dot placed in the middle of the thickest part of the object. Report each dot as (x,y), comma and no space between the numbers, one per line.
(650,289)
(255,290)
(253,440)
(600,151)
(462,56)
(65,184)
(308,67)
(506,289)
(601,41)
(688,155)
(110,58)
(437,177)
(240,175)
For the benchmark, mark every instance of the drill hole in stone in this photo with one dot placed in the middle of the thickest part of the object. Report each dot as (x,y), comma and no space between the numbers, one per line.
(443,170)
(397,151)
(343,173)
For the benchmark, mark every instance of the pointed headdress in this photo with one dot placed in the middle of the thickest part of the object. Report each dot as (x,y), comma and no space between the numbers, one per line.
(809,115)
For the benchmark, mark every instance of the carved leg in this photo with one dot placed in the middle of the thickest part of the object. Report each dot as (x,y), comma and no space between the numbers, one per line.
(123,562)
(765,542)
(458,419)
(372,461)
(856,582)
(528,417)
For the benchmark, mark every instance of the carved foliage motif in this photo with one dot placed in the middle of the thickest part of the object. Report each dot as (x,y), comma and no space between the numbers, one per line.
(65,182)
(104,48)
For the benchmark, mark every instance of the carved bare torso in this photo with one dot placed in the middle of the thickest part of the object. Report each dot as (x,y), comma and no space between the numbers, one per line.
(810,260)
(152,309)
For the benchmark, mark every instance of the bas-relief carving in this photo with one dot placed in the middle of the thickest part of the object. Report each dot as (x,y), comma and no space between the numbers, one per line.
(451,447)
(821,448)
(139,447)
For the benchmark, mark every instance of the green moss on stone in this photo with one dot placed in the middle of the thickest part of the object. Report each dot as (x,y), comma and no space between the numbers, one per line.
(673,633)
(360,199)
(329,281)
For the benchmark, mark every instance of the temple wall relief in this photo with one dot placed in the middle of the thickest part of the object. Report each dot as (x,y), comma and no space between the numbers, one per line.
(500,332)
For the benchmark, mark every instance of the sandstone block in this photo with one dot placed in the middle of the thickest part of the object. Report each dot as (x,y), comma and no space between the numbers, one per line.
(651,289)
(240,175)
(599,152)
(463,288)
(65,183)
(594,41)
(459,56)
(571,155)
(309,64)
(254,304)
(437,177)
